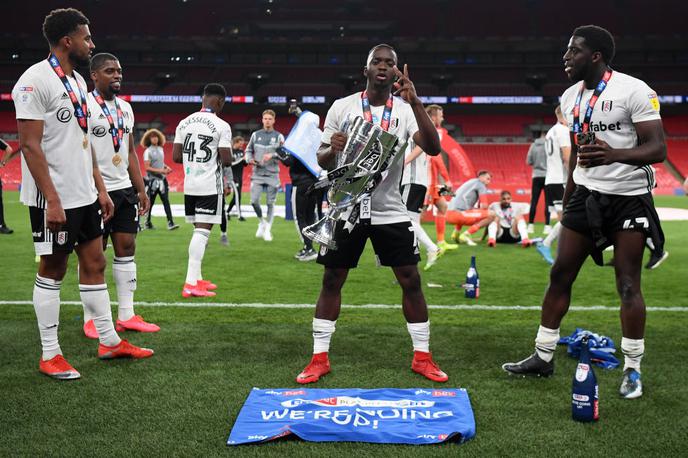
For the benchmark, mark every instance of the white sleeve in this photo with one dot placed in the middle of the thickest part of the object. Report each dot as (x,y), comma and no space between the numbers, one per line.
(30,101)
(146,154)
(412,124)
(225,137)
(563,137)
(494,206)
(643,103)
(178,134)
(281,139)
(332,122)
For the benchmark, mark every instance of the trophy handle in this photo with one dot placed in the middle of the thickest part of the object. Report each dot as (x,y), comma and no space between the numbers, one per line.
(323,230)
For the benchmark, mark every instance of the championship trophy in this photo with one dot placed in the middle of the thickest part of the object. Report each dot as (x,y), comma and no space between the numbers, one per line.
(361,166)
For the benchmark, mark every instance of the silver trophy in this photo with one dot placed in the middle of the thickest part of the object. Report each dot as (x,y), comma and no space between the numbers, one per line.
(361,166)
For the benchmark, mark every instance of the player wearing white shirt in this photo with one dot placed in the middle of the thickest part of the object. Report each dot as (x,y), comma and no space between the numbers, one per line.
(60,177)
(119,167)
(607,199)
(414,187)
(509,225)
(558,151)
(203,143)
(390,229)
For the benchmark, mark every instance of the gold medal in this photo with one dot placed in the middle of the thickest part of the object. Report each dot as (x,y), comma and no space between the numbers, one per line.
(117,160)
(85,142)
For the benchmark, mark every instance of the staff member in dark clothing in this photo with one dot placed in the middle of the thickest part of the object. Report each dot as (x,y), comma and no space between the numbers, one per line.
(306,206)
(238,164)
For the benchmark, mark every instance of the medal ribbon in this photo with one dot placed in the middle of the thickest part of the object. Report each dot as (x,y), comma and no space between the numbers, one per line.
(117,132)
(601,86)
(80,110)
(386,114)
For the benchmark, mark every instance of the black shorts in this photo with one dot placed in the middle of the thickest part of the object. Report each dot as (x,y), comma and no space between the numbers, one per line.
(507,237)
(599,216)
(126,216)
(394,244)
(413,196)
(554,195)
(204,209)
(83,224)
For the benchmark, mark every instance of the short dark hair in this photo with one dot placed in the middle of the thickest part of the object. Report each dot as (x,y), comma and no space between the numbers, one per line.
(376,47)
(99,60)
(61,22)
(598,39)
(215,89)
(504,193)
(483,172)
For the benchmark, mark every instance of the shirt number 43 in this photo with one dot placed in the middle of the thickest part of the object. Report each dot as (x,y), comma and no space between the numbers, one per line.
(193,153)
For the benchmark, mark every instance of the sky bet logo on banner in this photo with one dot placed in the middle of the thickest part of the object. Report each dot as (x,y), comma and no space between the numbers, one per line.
(398,416)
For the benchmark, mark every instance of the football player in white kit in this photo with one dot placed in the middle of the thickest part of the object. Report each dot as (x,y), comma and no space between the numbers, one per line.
(112,139)
(203,143)
(509,225)
(63,188)
(617,132)
(414,187)
(387,225)
(558,151)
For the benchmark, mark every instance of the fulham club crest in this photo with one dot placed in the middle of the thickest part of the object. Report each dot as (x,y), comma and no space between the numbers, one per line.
(607,106)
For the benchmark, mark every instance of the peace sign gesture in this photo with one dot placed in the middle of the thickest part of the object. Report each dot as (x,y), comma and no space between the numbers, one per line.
(404,87)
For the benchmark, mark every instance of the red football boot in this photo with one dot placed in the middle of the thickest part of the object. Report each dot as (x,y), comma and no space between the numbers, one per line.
(425,366)
(123,350)
(207,285)
(58,368)
(136,323)
(196,291)
(319,366)
(90,330)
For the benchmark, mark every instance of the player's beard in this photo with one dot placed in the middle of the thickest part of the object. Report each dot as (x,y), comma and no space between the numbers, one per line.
(79,61)
(113,90)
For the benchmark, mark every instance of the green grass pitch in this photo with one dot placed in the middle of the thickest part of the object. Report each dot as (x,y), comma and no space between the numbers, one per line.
(183,401)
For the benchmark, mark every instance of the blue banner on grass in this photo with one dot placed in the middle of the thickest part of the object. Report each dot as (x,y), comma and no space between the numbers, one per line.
(395,416)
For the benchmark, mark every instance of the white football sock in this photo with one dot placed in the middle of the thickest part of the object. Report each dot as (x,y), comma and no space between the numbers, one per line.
(46,303)
(492,230)
(322,333)
(124,273)
(553,235)
(633,350)
(546,342)
(97,300)
(422,236)
(199,240)
(522,229)
(420,335)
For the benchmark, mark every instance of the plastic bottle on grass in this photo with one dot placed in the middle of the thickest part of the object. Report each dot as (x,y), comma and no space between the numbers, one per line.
(472,285)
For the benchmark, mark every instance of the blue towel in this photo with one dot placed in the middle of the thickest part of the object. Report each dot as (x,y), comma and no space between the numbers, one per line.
(601,348)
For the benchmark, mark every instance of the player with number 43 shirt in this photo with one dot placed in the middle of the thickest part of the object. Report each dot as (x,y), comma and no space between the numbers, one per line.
(203,143)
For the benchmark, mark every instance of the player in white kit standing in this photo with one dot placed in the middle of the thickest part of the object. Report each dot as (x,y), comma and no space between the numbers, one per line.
(111,134)
(63,188)
(203,143)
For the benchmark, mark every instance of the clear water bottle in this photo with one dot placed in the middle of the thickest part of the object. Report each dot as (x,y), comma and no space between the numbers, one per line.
(584,392)
(472,285)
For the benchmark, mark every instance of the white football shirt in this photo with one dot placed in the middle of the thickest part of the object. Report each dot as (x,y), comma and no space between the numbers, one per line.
(115,176)
(556,138)
(386,204)
(40,95)
(201,134)
(509,214)
(416,171)
(625,101)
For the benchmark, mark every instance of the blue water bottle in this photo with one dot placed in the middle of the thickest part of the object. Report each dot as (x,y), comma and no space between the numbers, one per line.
(584,392)
(472,285)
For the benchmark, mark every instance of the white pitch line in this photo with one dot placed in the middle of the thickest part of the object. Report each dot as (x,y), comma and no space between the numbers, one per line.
(577,308)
